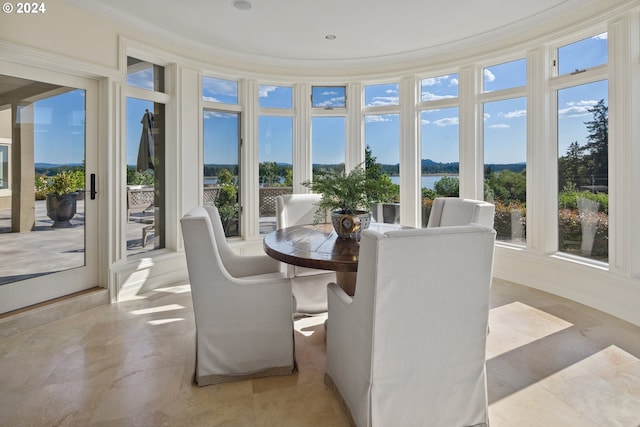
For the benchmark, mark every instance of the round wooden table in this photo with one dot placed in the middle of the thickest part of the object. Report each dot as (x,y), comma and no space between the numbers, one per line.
(318,246)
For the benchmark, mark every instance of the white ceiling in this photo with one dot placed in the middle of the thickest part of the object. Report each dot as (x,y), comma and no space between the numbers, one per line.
(366,30)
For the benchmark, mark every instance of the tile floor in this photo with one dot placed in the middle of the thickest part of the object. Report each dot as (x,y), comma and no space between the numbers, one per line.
(551,362)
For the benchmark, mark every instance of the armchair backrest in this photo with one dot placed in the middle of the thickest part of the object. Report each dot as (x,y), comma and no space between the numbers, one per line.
(224,250)
(423,301)
(449,211)
(296,209)
(203,258)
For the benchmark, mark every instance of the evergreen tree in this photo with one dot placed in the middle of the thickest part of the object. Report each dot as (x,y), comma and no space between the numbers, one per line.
(597,145)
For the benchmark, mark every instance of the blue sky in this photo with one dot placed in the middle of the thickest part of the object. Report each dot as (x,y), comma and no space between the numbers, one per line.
(59,131)
(59,121)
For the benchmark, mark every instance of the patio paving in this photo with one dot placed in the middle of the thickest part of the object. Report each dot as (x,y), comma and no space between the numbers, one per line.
(48,250)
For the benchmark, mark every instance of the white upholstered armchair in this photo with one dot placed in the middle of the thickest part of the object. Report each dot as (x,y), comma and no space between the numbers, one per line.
(409,348)
(309,284)
(243,310)
(447,211)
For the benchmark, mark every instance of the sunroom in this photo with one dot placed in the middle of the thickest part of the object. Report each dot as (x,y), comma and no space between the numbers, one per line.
(156,108)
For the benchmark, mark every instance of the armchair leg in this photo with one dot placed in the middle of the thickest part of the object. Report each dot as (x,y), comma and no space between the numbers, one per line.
(145,231)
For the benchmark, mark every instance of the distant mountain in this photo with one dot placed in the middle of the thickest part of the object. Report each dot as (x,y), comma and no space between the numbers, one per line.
(55,165)
(429,166)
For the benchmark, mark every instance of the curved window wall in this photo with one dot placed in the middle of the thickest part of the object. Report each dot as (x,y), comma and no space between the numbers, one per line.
(471,143)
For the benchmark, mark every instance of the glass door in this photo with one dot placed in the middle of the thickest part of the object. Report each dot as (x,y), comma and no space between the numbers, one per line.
(48,226)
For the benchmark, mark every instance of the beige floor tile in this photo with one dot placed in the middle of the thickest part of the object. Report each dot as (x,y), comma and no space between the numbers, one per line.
(534,406)
(146,391)
(304,405)
(550,362)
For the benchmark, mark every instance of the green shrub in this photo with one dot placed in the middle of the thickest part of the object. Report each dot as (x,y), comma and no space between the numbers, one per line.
(569,200)
(570,224)
(502,221)
(135,177)
(64,182)
(41,186)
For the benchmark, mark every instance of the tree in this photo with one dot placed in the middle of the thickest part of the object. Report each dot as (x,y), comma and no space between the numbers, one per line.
(384,191)
(597,145)
(448,186)
(571,167)
(269,173)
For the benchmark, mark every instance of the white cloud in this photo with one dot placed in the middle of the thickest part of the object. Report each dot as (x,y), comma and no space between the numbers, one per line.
(377,118)
(488,75)
(577,109)
(385,100)
(209,114)
(428,96)
(514,114)
(486,116)
(446,121)
(264,91)
(211,99)
(219,87)
(142,79)
(453,82)
(603,36)
(332,102)
(425,122)
(500,126)
(432,81)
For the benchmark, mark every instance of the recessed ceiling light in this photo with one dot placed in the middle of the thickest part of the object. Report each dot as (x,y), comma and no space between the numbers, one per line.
(330,37)
(241,4)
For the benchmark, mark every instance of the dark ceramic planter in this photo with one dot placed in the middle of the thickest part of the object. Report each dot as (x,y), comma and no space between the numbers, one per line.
(61,208)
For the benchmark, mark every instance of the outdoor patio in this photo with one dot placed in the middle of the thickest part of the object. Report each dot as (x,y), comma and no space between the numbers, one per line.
(48,250)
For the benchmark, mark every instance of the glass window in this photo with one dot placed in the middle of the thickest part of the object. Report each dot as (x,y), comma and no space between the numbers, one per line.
(442,87)
(219,90)
(145,75)
(440,158)
(221,139)
(275,169)
(328,97)
(583,54)
(328,143)
(583,176)
(382,161)
(381,95)
(505,76)
(145,176)
(275,97)
(505,155)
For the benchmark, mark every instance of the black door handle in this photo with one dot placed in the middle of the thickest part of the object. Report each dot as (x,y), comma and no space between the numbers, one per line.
(93,186)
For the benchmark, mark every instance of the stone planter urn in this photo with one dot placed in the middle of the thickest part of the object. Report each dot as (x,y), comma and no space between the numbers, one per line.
(349,226)
(61,208)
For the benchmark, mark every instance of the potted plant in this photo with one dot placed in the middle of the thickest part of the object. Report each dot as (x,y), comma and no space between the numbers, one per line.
(348,196)
(62,198)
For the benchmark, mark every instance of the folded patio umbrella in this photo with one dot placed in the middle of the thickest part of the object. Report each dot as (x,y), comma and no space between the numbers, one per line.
(146,149)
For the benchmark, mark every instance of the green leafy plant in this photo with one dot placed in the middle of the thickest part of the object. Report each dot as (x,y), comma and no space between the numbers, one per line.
(64,182)
(41,186)
(347,193)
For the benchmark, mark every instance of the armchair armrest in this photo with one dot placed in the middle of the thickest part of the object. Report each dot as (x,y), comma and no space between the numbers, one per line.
(335,292)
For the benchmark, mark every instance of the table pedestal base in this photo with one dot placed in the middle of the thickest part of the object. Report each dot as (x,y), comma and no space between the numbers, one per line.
(347,281)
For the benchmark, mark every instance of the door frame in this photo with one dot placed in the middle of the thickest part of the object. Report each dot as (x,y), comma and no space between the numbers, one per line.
(43,288)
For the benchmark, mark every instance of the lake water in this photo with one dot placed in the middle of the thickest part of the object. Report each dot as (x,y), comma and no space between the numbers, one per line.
(428,181)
